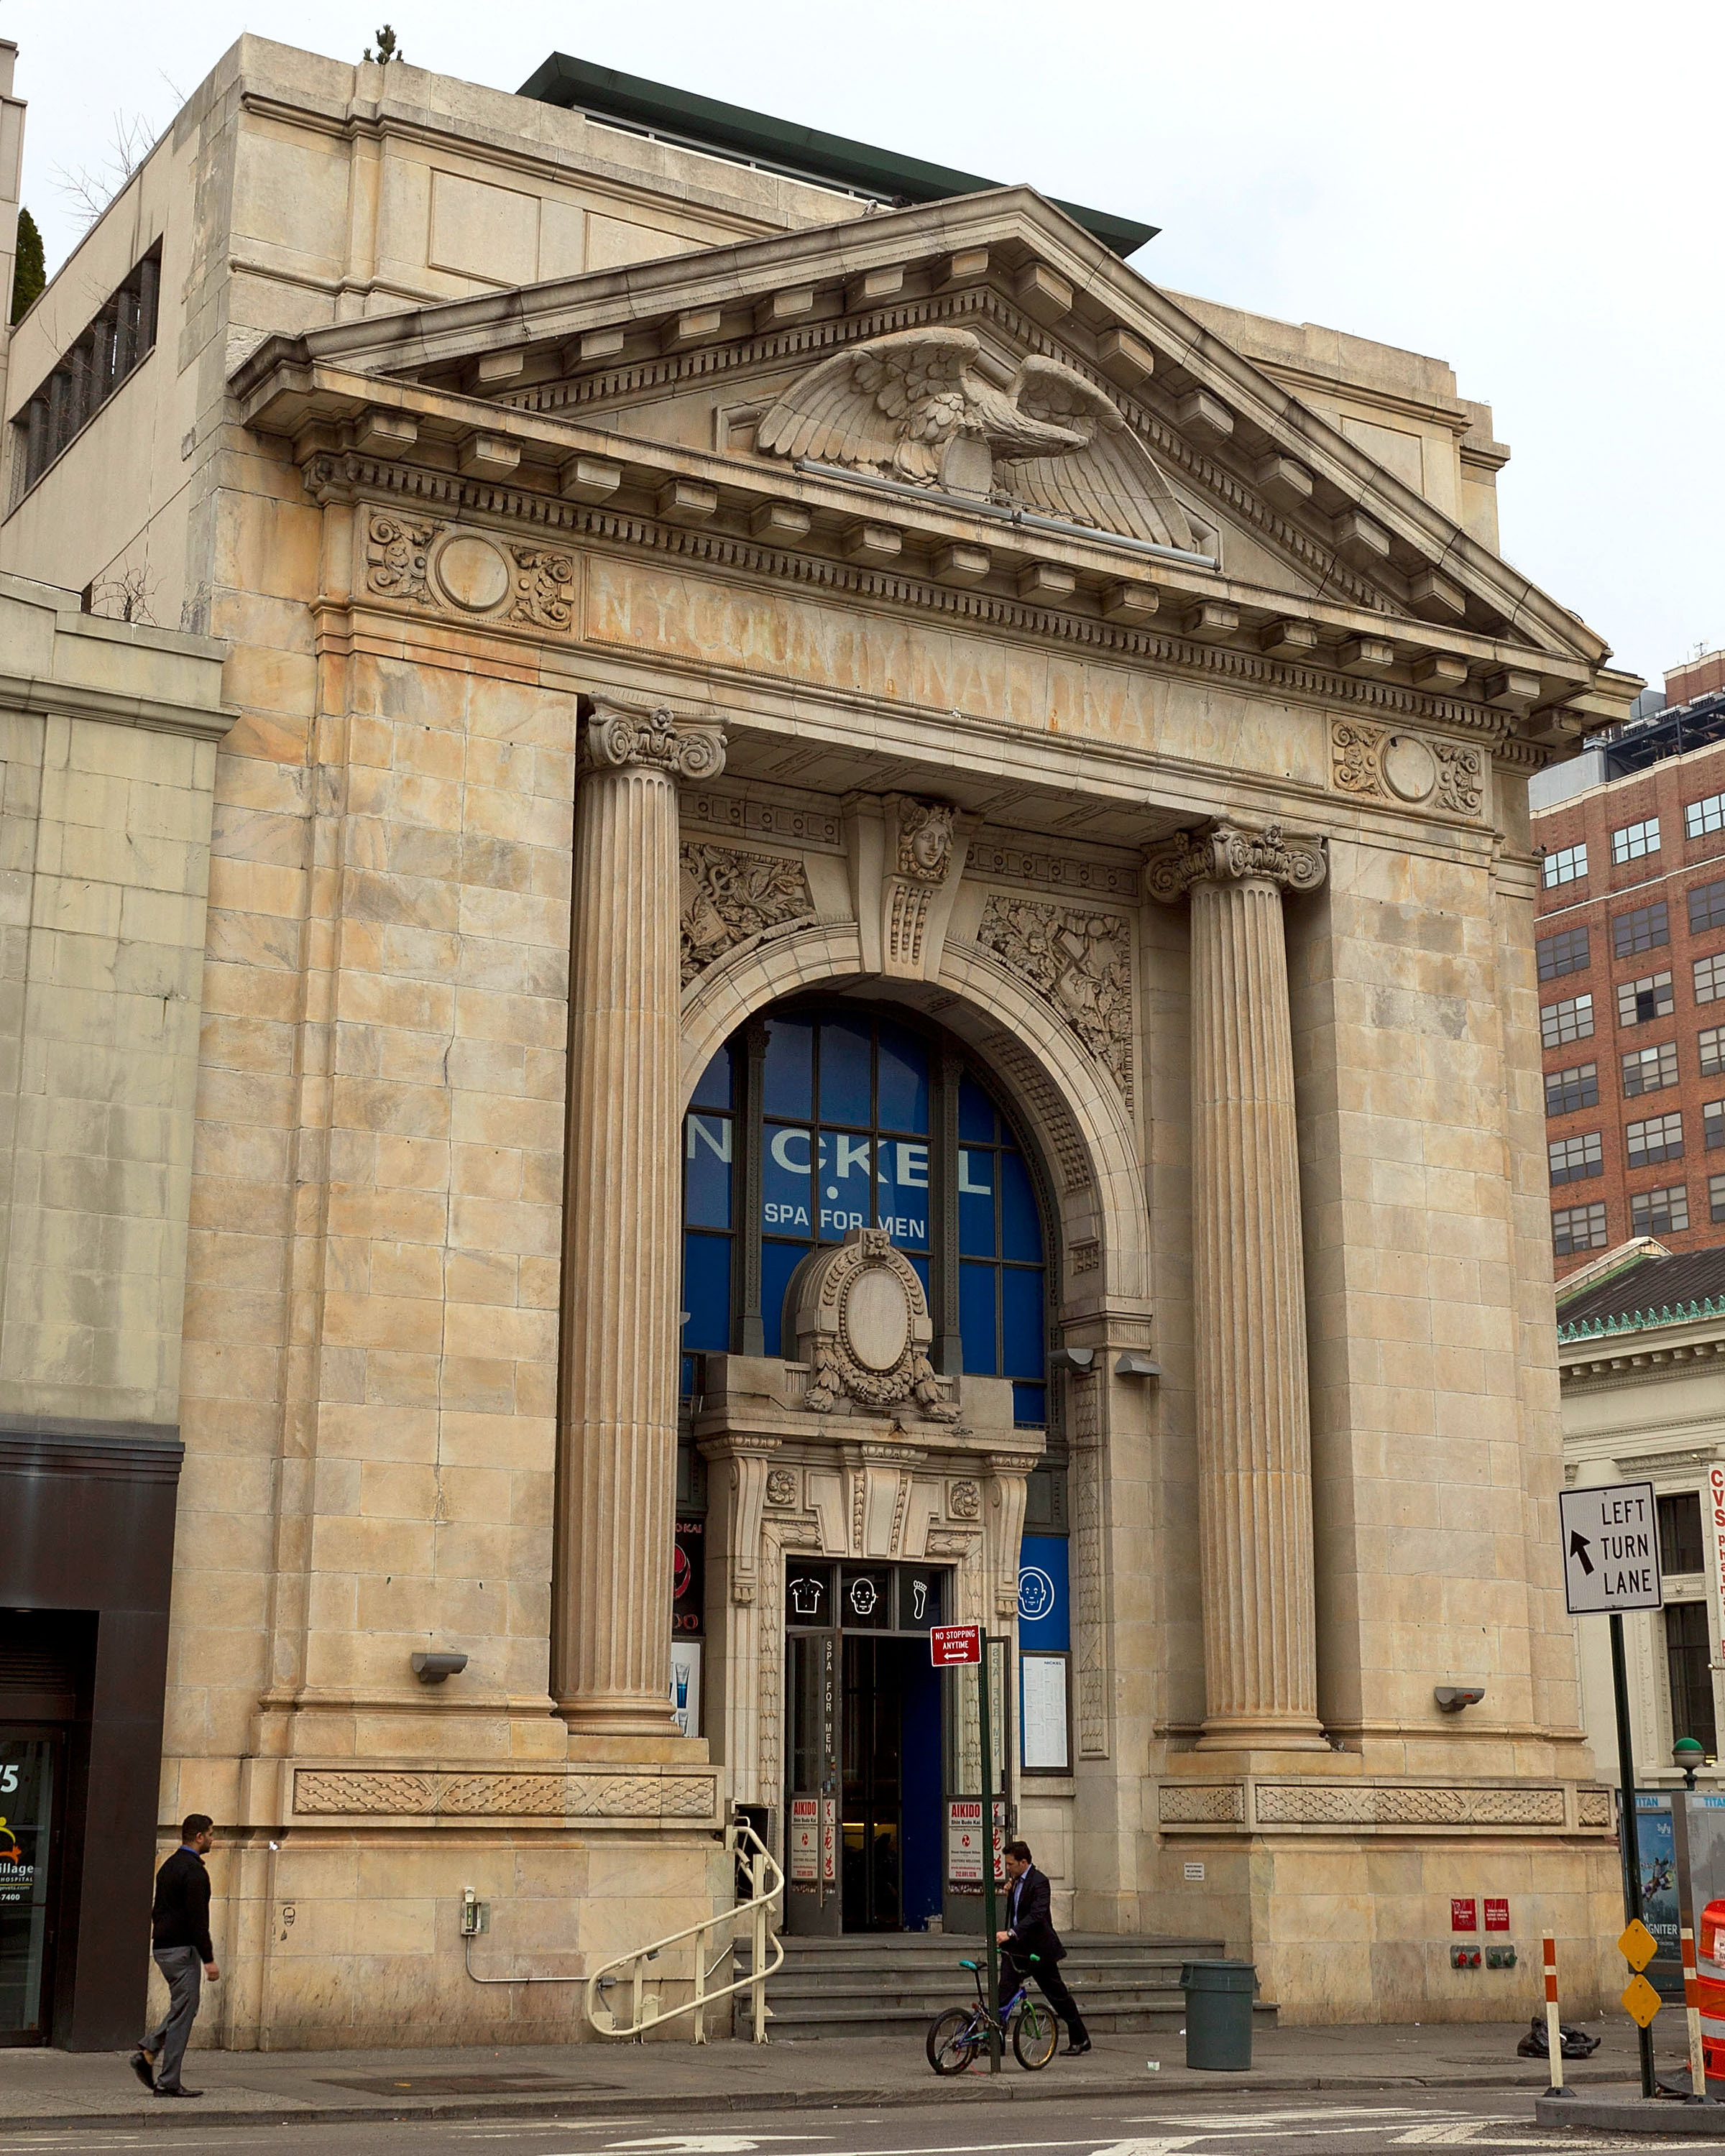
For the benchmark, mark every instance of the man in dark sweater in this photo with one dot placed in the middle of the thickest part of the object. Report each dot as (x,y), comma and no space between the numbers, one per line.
(179,1930)
(1030,1931)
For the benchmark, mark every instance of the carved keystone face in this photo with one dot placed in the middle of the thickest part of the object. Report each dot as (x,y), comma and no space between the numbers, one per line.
(876,1319)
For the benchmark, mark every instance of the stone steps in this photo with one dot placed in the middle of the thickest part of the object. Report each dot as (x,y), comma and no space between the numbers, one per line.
(836,1986)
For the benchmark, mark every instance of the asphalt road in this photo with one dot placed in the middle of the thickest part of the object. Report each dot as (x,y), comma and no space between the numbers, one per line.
(1216,2127)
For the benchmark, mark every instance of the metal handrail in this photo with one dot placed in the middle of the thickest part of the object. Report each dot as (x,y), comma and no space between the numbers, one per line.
(645,2011)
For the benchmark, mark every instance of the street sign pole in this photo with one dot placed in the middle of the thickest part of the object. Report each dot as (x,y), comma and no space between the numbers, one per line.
(984,1672)
(1631,1837)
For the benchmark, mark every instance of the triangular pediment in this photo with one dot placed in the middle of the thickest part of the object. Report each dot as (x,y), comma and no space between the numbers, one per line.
(861,341)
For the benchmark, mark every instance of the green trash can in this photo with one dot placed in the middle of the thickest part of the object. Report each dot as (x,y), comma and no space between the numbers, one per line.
(1219,2013)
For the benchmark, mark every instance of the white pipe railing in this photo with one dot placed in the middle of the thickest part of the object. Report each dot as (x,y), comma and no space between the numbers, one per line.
(646,2011)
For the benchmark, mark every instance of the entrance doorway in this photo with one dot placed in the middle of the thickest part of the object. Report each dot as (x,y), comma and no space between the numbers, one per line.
(30,1783)
(865,1747)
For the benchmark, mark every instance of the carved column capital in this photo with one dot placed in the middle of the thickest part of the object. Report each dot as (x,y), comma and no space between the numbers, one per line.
(654,741)
(1226,852)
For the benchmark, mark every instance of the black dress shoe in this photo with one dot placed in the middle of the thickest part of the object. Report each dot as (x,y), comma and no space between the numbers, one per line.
(178,2091)
(140,2066)
(1076,2049)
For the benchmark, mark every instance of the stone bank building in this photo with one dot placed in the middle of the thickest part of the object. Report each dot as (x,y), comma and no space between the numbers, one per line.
(750,905)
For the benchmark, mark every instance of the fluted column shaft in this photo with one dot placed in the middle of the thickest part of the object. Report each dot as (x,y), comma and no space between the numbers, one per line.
(1254,1409)
(617,1456)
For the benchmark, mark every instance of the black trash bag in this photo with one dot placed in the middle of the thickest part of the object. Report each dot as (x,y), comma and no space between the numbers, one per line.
(1576,2044)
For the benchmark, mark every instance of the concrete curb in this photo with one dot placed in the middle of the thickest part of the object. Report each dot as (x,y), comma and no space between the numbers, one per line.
(1008,2087)
(1633,2113)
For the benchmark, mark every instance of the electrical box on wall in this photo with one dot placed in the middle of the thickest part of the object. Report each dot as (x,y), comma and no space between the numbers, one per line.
(476,1915)
(1500,1957)
(1464,1957)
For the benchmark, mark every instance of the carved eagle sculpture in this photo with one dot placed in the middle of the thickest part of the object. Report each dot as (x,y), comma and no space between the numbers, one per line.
(921,407)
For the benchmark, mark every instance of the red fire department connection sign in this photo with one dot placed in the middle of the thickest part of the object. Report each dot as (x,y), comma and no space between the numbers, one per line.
(952,1645)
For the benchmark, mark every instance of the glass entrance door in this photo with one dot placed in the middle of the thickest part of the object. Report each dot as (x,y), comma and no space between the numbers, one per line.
(863,1747)
(29,1778)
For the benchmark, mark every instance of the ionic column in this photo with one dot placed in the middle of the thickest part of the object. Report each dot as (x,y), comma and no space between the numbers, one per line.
(617,1459)
(1253,1411)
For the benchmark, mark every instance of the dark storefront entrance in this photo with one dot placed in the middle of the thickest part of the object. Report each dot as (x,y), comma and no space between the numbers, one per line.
(87,1562)
(865,1747)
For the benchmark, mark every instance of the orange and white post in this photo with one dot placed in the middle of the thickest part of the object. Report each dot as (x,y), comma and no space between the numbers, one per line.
(1692,2008)
(1553,2030)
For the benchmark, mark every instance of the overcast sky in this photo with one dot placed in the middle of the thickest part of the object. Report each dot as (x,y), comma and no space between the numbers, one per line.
(1531,192)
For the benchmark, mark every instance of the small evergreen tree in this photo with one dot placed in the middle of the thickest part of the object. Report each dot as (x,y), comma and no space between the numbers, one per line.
(388,49)
(30,272)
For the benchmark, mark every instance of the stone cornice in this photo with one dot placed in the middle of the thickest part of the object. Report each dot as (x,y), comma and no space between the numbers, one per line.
(352,475)
(45,697)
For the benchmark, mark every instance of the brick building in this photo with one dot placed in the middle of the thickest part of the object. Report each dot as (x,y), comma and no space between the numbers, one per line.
(1631,963)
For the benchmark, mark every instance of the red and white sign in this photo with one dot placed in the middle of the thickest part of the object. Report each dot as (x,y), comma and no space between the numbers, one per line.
(964,1842)
(1464,1914)
(1496,1915)
(805,1838)
(829,1839)
(1715,1543)
(951,1646)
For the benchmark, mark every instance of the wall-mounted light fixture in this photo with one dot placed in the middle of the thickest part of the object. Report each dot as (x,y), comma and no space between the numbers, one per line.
(438,1669)
(1132,1364)
(1452,1698)
(1078,1360)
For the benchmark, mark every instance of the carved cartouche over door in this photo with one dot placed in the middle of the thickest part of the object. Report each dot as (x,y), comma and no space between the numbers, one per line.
(1254,1409)
(617,1449)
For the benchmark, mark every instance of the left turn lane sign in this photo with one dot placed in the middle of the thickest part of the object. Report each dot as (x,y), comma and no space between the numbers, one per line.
(1611,1547)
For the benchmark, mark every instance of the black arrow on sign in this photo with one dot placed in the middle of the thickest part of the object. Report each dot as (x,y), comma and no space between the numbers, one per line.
(1578,1546)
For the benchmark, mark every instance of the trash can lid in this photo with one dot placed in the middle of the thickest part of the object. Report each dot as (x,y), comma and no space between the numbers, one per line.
(1218,1976)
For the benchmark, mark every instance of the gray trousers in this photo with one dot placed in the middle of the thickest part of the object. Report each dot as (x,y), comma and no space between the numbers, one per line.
(184,1973)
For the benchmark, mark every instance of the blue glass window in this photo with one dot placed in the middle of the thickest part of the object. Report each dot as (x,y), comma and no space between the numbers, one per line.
(844,1136)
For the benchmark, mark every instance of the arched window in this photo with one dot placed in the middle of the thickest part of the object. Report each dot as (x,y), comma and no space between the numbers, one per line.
(820,1118)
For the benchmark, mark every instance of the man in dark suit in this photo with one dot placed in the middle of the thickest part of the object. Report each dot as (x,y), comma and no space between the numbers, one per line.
(1029,1930)
(179,1929)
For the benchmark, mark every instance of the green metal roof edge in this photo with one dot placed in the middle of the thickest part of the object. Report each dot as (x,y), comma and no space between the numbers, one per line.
(780,144)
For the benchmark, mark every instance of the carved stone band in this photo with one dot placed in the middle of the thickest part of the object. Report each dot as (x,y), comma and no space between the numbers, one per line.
(1230,853)
(651,738)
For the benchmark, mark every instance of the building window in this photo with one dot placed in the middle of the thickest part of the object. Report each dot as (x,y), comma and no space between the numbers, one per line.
(1707,902)
(840,1119)
(1579,1228)
(1680,1548)
(1566,1091)
(1712,1044)
(1660,1211)
(1558,955)
(1638,1001)
(1572,1020)
(1644,930)
(1647,1070)
(1716,1199)
(1566,865)
(1701,817)
(1713,1124)
(1573,1159)
(1688,1657)
(1710,979)
(121,338)
(1659,1138)
(1634,841)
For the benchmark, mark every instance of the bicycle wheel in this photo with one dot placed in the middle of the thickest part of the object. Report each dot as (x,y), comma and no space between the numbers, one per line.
(1034,2034)
(953,2039)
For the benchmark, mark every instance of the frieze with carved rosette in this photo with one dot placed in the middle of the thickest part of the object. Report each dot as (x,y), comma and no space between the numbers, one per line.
(1372,763)
(1079,962)
(731,900)
(396,551)
(860,1320)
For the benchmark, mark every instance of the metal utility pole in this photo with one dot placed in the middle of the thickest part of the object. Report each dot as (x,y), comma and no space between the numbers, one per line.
(1631,1837)
(990,1908)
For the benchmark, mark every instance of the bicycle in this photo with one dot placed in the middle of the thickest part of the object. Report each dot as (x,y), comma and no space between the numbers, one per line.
(958,2035)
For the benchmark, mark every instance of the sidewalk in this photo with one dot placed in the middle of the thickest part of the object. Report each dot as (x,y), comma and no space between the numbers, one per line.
(628,2082)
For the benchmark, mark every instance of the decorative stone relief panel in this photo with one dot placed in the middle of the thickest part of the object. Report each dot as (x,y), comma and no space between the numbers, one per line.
(1066,1141)
(1080,963)
(347,1793)
(1354,1803)
(1200,1804)
(1592,1808)
(1022,862)
(730,899)
(1372,763)
(746,816)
